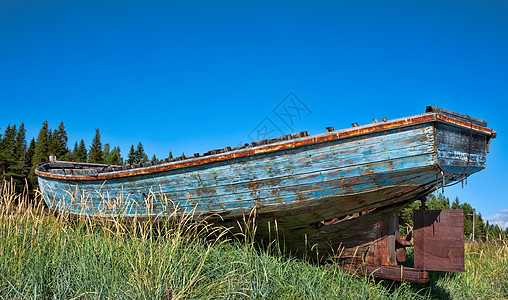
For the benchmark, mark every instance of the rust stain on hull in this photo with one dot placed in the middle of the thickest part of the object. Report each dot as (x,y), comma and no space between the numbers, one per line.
(464,124)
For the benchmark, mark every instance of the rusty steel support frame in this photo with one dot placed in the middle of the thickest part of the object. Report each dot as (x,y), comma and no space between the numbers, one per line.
(438,246)
(388,250)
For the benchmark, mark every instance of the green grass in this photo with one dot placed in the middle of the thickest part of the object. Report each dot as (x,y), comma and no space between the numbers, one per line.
(47,256)
(486,275)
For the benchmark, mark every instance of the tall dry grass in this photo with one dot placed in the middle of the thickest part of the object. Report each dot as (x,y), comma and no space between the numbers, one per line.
(65,256)
(175,256)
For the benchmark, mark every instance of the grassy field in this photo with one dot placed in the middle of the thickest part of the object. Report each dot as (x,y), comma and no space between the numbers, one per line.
(47,256)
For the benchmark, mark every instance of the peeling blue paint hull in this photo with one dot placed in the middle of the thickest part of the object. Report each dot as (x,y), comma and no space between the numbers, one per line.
(299,182)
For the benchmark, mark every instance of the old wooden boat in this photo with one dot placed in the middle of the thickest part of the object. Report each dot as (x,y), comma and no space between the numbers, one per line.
(333,193)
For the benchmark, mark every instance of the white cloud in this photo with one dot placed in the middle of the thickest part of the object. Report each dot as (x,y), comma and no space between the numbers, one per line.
(500,218)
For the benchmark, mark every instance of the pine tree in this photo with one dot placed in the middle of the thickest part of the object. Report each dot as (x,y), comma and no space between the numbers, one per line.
(456,204)
(9,168)
(59,142)
(50,142)
(82,154)
(20,148)
(8,144)
(114,157)
(95,154)
(118,160)
(480,228)
(29,158)
(9,160)
(131,159)
(154,158)
(30,153)
(40,152)
(468,219)
(73,153)
(170,155)
(140,154)
(438,203)
(105,153)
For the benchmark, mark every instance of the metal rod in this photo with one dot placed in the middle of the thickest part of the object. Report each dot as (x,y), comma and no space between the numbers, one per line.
(474,217)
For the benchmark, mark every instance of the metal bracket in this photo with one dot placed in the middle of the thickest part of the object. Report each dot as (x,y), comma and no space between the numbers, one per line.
(399,273)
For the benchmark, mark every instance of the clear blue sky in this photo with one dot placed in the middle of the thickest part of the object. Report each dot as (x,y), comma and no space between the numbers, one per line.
(192,76)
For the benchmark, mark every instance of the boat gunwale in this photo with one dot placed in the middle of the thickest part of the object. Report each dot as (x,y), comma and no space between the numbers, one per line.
(282,145)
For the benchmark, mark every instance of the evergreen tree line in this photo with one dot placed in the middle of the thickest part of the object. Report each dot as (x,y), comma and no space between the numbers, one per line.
(18,160)
(482,231)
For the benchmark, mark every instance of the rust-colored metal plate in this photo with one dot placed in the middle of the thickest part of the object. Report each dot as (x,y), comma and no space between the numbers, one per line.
(439,240)
(399,273)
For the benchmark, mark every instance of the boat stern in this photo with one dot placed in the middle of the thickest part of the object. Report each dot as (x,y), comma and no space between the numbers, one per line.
(462,143)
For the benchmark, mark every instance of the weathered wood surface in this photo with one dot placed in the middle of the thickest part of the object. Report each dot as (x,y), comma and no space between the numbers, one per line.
(460,150)
(463,118)
(376,168)
(308,174)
